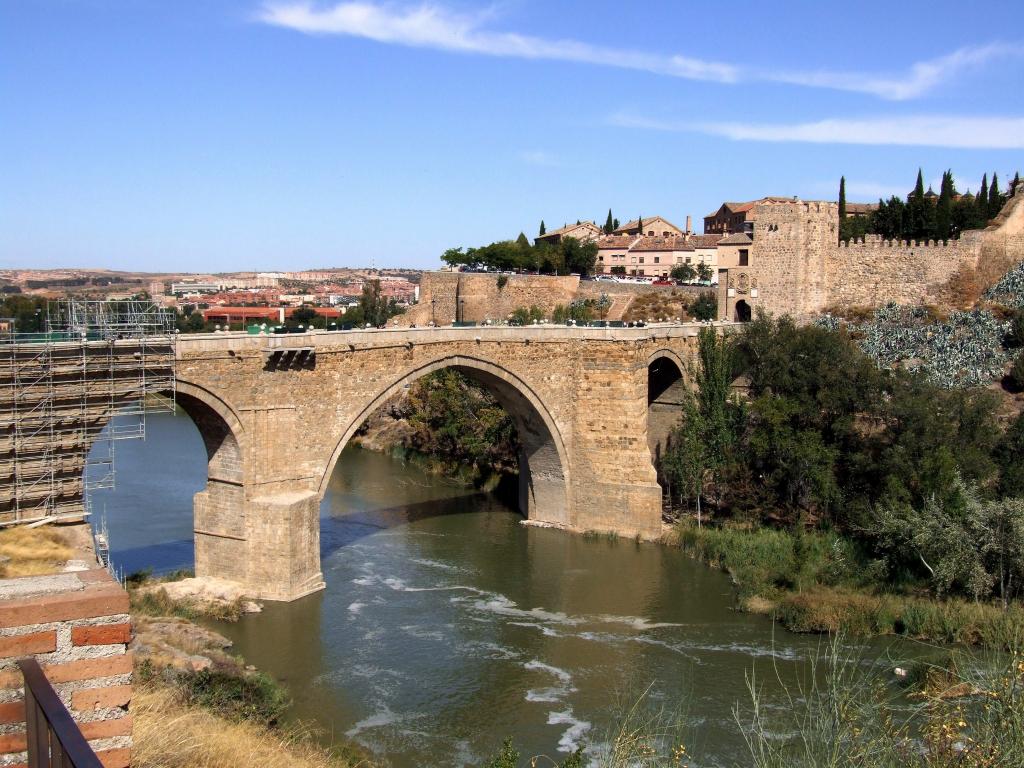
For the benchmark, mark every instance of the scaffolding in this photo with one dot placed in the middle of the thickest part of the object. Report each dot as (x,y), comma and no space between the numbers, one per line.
(60,388)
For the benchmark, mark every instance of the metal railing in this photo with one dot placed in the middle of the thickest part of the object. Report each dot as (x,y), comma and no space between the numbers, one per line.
(54,739)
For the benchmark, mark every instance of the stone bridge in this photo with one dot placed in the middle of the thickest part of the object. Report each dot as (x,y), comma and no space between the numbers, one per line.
(592,407)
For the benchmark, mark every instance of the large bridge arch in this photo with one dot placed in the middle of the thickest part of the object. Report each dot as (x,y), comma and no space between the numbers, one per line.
(545,489)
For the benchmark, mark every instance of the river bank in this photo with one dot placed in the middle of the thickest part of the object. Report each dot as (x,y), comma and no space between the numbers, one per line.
(815,582)
(199,705)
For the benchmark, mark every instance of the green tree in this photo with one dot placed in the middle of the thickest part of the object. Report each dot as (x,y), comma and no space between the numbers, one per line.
(683,272)
(704,307)
(982,202)
(609,224)
(578,257)
(995,198)
(615,225)
(842,199)
(195,323)
(703,272)
(523,242)
(543,231)
(1017,372)
(944,208)
(373,305)
(1009,457)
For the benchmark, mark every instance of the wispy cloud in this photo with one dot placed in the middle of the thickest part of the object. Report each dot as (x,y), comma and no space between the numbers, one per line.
(540,158)
(433,26)
(922,131)
(921,78)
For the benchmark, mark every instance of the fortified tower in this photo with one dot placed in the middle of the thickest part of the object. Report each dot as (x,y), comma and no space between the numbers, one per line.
(792,241)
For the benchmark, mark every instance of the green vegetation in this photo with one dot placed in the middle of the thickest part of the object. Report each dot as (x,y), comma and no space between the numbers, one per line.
(569,255)
(924,215)
(962,712)
(841,494)
(705,306)
(460,425)
(28,312)
(149,599)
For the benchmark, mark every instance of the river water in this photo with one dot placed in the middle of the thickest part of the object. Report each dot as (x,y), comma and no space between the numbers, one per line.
(447,625)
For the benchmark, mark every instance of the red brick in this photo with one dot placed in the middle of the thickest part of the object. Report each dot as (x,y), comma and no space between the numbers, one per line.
(115,758)
(23,645)
(104,729)
(97,698)
(85,669)
(106,600)
(12,712)
(104,634)
(13,742)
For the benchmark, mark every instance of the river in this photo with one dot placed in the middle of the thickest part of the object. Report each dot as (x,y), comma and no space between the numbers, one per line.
(447,625)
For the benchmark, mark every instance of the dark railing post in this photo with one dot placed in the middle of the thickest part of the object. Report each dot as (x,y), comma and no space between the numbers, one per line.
(54,739)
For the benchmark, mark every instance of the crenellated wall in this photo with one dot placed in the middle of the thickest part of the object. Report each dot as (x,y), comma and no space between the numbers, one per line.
(798,267)
(876,271)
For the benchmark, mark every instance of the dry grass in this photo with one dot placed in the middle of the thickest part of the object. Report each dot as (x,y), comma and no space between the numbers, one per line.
(168,734)
(32,552)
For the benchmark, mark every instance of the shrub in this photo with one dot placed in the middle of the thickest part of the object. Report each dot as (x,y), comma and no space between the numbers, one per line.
(705,307)
(255,697)
(1017,372)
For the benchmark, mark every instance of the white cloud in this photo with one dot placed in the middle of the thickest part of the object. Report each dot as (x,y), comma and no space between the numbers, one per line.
(431,25)
(922,131)
(922,77)
(540,158)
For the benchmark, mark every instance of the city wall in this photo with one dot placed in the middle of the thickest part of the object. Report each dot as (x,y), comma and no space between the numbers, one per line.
(476,297)
(798,267)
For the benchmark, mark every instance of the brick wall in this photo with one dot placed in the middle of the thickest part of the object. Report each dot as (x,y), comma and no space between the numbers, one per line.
(77,627)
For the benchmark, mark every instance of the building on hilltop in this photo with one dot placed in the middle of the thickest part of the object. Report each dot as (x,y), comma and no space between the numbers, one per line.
(655,226)
(654,256)
(737,217)
(584,231)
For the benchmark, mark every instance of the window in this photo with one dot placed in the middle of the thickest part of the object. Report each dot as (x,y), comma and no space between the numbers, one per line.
(665,233)
(657,259)
(687,259)
(641,259)
(744,259)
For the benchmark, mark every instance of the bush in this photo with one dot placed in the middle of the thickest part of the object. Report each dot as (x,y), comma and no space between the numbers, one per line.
(1017,372)
(705,307)
(255,697)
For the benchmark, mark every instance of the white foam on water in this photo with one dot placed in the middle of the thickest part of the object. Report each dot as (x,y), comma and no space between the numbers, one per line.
(561,674)
(570,740)
(365,581)
(356,607)
(422,633)
(439,565)
(546,631)
(380,719)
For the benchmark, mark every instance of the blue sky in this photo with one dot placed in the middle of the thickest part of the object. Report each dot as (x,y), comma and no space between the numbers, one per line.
(204,135)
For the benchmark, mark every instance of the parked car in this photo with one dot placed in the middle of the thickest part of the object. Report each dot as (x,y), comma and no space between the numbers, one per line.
(662,281)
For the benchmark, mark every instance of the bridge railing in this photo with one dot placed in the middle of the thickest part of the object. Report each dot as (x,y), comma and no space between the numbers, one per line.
(54,739)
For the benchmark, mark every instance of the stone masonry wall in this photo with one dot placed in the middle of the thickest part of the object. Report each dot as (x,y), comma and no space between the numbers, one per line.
(77,626)
(874,271)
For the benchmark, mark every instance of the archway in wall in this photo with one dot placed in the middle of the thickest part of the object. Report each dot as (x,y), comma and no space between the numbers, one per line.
(543,484)
(666,388)
(743,313)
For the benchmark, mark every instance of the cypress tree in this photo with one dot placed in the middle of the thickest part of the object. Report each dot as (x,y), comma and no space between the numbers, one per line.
(640,225)
(609,223)
(995,200)
(615,224)
(522,241)
(919,187)
(944,209)
(543,231)
(842,198)
(1014,183)
(982,198)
